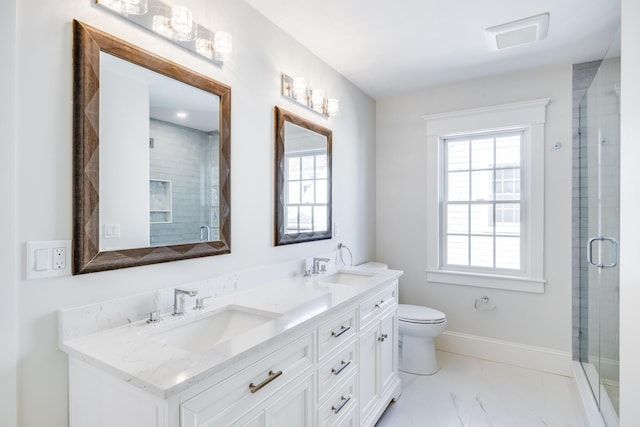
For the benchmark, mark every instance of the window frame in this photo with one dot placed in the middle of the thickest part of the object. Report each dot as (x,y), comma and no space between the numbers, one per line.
(529,116)
(444,233)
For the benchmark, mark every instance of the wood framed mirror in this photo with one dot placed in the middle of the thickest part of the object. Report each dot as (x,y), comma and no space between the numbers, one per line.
(151,158)
(302,181)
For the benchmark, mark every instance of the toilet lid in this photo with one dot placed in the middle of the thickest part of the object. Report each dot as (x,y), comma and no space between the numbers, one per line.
(420,314)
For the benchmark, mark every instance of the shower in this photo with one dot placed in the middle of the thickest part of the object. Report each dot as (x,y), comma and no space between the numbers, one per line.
(597,232)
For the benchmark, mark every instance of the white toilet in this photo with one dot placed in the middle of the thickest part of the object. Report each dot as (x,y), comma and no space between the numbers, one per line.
(417,328)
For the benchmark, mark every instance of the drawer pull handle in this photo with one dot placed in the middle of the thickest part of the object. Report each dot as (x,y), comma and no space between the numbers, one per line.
(382,337)
(342,367)
(380,303)
(343,329)
(344,401)
(272,376)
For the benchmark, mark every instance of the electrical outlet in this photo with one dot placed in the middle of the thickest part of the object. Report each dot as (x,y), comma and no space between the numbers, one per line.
(48,259)
(59,258)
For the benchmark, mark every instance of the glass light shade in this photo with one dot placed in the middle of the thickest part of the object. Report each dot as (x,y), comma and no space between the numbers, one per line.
(204,47)
(182,23)
(222,45)
(135,7)
(300,89)
(333,107)
(127,7)
(162,25)
(317,99)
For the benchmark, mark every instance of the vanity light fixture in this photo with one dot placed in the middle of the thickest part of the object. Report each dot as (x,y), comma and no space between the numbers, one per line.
(175,23)
(297,89)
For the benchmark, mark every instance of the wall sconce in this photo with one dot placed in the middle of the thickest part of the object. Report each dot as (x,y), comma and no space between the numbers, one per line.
(175,23)
(297,89)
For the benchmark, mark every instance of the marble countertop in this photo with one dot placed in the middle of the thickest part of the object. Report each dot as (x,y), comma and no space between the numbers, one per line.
(134,353)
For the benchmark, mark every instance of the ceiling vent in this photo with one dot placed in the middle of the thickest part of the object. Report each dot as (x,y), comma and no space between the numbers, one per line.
(516,33)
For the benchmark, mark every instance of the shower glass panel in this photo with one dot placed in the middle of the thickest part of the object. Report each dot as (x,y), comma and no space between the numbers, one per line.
(600,214)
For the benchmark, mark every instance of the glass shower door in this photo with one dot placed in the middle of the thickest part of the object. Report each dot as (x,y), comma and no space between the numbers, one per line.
(600,152)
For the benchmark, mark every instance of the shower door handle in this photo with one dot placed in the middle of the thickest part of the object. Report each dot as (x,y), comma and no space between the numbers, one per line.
(614,244)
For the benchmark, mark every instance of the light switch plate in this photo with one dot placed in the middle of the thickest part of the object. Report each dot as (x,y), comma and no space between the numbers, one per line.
(48,259)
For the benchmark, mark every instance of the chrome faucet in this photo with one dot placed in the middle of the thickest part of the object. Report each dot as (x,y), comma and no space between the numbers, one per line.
(178,300)
(317,267)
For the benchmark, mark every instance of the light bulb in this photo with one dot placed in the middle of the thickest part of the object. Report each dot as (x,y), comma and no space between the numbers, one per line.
(182,23)
(222,45)
(333,106)
(300,89)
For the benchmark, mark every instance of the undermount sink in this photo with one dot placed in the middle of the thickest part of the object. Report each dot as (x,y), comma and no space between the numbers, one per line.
(347,277)
(221,325)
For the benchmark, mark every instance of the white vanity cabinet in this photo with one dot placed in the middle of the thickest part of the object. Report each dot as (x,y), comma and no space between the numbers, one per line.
(258,390)
(335,369)
(377,348)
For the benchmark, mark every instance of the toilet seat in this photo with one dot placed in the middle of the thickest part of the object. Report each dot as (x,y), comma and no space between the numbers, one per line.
(419,314)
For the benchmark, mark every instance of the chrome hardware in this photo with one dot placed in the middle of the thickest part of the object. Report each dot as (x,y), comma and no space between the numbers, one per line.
(272,376)
(343,366)
(613,241)
(200,302)
(154,317)
(317,267)
(344,401)
(343,329)
(382,337)
(380,304)
(178,300)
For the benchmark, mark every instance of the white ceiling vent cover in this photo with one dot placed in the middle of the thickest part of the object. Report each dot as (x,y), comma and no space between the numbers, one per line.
(516,33)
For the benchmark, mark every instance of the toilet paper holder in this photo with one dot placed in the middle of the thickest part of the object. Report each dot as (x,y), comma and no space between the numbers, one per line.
(484,304)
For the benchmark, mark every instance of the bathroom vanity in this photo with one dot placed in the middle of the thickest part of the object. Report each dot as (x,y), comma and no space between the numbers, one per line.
(318,351)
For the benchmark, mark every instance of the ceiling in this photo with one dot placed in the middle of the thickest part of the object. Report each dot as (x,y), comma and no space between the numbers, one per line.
(389,47)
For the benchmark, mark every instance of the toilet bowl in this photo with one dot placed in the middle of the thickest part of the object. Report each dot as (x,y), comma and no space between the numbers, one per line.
(417,328)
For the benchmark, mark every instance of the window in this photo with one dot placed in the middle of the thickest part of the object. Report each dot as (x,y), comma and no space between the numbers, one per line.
(485,189)
(306,197)
(481,201)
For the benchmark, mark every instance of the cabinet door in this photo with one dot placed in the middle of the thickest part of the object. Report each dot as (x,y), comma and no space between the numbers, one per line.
(388,344)
(295,408)
(292,407)
(368,369)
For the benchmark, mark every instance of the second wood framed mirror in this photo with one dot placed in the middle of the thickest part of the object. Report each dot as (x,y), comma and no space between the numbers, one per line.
(302,181)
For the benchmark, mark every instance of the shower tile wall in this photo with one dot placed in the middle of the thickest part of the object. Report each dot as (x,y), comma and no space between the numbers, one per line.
(187,165)
(583,75)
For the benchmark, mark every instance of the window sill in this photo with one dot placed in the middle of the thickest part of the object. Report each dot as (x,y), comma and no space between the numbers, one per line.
(510,283)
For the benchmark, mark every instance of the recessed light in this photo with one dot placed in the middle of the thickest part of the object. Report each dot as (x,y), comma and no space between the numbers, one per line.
(517,33)
(181,115)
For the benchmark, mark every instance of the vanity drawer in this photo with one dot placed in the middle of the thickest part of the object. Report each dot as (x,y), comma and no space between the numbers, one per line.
(340,403)
(338,330)
(372,307)
(336,369)
(242,391)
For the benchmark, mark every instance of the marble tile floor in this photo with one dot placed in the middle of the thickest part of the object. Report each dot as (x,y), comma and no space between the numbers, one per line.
(470,392)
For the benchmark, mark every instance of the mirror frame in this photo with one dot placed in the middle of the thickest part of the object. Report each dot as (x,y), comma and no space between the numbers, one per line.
(280,237)
(88,42)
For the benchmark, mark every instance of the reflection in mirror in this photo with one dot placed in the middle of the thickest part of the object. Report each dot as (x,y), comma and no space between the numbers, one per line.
(303,180)
(158,159)
(151,157)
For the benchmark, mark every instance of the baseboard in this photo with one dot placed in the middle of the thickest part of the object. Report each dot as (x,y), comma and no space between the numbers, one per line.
(526,356)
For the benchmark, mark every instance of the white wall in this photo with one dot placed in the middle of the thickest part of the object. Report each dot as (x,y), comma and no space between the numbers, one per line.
(124,160)
(8,335)
(629,209)
(44,174)
(542,320)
